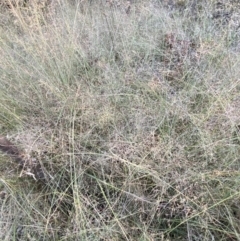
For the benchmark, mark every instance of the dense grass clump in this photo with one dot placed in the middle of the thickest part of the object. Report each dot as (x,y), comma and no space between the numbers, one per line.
(132,110)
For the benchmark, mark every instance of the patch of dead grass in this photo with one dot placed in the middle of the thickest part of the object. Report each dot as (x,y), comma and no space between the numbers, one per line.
(133,116)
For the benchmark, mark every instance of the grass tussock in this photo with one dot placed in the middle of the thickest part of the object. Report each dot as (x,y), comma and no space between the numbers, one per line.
(132,110)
